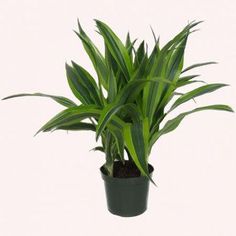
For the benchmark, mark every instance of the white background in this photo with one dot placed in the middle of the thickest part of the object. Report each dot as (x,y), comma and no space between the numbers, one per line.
(51,185)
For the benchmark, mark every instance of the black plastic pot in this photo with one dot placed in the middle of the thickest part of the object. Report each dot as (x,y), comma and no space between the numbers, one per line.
(126,196)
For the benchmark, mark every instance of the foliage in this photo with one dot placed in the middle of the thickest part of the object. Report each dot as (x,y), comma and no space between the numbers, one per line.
(139,87)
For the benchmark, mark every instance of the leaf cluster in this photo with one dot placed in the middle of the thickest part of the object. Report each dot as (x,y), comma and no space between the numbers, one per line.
(135,90)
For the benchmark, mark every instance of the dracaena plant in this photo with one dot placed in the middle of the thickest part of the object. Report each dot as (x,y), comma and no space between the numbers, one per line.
(127,103)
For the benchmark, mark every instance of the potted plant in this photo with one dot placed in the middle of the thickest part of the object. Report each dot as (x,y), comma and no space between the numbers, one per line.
(128,107)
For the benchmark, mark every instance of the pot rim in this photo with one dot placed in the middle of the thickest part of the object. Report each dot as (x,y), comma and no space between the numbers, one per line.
(129,180)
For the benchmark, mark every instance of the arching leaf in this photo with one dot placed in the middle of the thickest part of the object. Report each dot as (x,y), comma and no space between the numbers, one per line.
(95,56)
(76,127)
(88,82)
(59,99)
(77,87)
(198,65)
(195,93)
(174,123)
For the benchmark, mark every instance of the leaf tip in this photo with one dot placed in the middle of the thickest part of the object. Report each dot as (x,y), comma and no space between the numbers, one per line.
(230,109)
(67,66)
(79,25)
(37,132)
(154,35)
(76,32)
(154,183)
(97,21)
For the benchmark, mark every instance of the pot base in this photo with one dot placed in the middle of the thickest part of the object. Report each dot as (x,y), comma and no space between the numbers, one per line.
(122,214)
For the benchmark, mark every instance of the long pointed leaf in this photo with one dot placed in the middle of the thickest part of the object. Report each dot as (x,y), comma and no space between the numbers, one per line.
(77,127)
(129,46)
(185,80)
(174,71)
(158,93)
(195,93)
(95,56)
(77,86)
(89,83)
(136,142)
(127,95)
(116,47)
(59,99)
(71,116)
(98,148)
(158,69)
(112,87)
(139,55)
(74,115)
(198,65)
(174,123)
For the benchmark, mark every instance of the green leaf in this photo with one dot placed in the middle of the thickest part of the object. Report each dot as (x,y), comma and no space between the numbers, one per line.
(76,84)
(140,72)
(175,64)
(126,95)
(59,99)
(77,127)
(88,82)
(157,94)
(174,123)
(140,54)
(116,48)
(74,115)
(195,93)
(129,46)
(174,69)
(171,45)
(71,116)
(182,83)
(128,42)
(180,36)
(112,87)
(119,140)
(154,35)
(153,93)
(98,148)
(186,80)
(153,57)
(110,61)
(130,112)
(107,113)
(95,56)
(136,141)
(198,65)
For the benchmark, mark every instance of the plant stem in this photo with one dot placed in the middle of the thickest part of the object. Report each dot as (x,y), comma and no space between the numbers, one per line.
(108,152)
(109,168)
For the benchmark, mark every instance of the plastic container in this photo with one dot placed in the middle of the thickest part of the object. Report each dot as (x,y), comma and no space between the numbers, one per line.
(126,196)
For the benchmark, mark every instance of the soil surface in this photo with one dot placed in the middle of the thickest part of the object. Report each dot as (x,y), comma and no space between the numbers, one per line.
(126,170)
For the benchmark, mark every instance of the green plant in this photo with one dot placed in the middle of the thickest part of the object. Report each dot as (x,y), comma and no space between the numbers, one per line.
(139,87)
